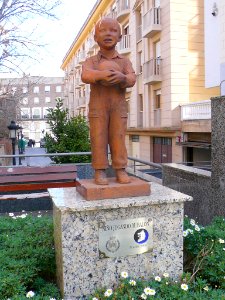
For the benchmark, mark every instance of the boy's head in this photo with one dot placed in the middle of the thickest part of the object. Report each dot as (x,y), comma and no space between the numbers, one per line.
(107,33)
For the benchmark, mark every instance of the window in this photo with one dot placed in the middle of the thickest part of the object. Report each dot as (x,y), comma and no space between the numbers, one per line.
(25,90)
(58,89)
(157,99)
(47,99)
(45,112)
(36,100)
(25,113)
(36,89)
(25,100)
(36,113)
(47,88)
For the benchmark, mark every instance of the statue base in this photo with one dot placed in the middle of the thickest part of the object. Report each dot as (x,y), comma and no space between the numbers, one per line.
(96,240)
(91,191)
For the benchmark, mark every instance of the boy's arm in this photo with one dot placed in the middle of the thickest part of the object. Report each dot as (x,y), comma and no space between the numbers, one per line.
(130,77)
(90,74)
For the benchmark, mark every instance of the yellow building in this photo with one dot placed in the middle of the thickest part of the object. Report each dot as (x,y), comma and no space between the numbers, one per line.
(164,39)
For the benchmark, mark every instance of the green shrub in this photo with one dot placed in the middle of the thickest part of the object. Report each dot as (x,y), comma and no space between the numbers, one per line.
(205,251)
(27,257)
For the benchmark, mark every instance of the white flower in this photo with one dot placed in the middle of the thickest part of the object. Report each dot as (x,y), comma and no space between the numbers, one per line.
(11,214)
(124,274)
(184,286)
(94,298)
(166,275)
(30,294)
(221,241)
(185,233)
(143,296)
(39,216)
(108,293)
(197,228)
(190,231)
(52,299)
(192,222)
(23,216)
(149,291)
(206,288)
(132,282)
(157,278)
(223,249)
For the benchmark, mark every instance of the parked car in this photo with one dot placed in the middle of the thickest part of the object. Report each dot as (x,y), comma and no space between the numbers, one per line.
(42,143)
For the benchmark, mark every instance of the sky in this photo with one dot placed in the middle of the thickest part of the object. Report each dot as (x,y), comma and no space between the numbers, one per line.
(58,35)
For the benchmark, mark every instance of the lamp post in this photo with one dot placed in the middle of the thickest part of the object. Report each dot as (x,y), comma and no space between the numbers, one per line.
(20,142)
(12,134)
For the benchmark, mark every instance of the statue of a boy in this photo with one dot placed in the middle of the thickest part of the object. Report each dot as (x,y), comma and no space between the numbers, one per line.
(109,74)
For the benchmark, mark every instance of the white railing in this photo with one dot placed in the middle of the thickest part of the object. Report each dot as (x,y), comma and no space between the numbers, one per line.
(157,117)
(139,33)
(152,17)
(196,111)
(122,5)
(152,67)
(125,42)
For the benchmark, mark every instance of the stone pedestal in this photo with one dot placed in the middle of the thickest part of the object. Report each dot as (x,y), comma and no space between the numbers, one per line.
(77,225)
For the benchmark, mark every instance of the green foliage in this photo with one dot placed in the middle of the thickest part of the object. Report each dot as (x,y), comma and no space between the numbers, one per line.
(205,251)
(27,257)
(68,135)
(160,288)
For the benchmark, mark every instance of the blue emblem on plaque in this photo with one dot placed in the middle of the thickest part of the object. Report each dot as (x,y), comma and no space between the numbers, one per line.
(141,236)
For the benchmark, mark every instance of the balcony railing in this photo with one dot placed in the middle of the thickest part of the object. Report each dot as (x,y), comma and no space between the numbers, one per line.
(152,22)
(157,117)
(140,83)
(123,9)
(82,56)
(139,33)
(153,71)
(124,44)
(196,111)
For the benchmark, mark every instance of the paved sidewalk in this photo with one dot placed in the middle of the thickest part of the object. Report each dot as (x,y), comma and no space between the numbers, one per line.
(34,161)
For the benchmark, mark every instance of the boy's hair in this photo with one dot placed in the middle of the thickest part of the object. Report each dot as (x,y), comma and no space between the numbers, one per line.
(98,24)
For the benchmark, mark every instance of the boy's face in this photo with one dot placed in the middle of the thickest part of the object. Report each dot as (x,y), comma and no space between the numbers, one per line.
(107,33)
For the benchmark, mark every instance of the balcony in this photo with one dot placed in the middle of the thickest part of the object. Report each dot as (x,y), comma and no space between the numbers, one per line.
(82,56)
(139,84)
(123,9)
(124,44)
(157,117)
(76,62)
(139,33)
(196,111)
(153,71)
(81,101)
(151,22)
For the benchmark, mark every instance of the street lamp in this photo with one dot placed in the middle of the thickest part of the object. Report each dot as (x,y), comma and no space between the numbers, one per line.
(20,142)
(12,134)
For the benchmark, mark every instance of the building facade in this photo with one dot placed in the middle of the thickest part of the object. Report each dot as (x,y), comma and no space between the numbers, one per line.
(165,41)
(32,96)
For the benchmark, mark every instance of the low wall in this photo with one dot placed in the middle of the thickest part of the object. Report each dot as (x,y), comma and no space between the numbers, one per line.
(196,183)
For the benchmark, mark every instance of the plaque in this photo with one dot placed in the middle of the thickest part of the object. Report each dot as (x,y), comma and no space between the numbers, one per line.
(125,237)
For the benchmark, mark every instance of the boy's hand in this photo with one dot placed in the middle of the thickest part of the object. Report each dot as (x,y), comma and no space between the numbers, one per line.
(112,77)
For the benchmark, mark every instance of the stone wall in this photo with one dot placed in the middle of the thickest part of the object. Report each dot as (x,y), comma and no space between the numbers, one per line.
(196,183)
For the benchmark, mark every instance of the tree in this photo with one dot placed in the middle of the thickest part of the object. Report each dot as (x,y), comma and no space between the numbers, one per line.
(12,94)
(67,135)
(16,42)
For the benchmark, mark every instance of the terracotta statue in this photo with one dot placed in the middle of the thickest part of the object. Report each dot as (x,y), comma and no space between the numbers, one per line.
(109,74)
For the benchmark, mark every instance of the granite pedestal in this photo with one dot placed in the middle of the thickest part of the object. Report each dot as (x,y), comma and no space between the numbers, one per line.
(80,267)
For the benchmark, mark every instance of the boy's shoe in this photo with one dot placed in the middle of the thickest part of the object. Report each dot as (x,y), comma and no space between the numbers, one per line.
(100,177)
(121,176)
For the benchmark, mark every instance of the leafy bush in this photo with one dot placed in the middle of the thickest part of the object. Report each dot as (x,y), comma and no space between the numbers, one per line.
(67,135)
(27,257)
(28,265)
(160,288)
(205,251)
